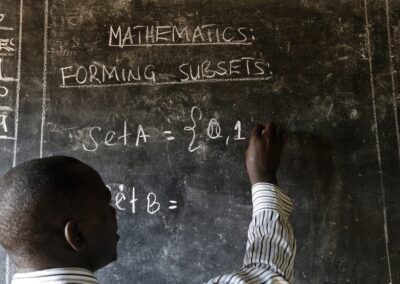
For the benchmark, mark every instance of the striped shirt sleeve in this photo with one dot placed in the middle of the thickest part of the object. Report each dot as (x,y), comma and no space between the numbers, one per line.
(271,246)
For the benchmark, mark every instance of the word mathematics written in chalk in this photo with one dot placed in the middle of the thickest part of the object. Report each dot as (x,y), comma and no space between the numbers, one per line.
(239,68)
(172,35)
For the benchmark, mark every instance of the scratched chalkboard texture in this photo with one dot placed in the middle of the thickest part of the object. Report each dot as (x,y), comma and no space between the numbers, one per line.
(160,98)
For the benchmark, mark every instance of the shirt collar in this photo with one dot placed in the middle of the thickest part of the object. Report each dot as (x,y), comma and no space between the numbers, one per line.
(56,276)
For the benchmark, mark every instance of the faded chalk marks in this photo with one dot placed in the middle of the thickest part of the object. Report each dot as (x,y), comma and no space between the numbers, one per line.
(2,27)
(18,88)
(377,139)
(44,77)
(394,87)
(10,86)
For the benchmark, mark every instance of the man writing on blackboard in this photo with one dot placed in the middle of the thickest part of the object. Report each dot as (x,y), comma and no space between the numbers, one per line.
(57,224)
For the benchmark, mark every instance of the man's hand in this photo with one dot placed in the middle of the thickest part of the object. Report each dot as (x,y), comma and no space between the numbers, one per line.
(264,153)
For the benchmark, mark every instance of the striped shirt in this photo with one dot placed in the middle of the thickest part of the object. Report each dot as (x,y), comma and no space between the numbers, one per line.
(271,246)
(56,276)
(269,253)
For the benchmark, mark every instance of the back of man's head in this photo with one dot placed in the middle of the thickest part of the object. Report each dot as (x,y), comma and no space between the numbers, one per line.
(33,197)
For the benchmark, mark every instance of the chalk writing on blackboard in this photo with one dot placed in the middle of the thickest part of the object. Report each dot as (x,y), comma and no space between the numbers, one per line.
(101,75)
(124,199)
(96,136)
(3,91)
(3,76)
(209,34)
(9,81)
(105,75)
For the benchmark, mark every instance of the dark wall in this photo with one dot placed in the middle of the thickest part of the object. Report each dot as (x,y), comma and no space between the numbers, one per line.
(322,69)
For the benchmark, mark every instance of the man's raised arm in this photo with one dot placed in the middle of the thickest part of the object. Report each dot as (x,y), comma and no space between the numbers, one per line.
(271,246)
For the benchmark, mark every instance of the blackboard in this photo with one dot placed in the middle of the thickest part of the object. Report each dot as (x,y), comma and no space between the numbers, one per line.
(160,97)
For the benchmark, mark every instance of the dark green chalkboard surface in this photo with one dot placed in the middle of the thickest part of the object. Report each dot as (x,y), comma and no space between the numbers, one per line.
(160,97)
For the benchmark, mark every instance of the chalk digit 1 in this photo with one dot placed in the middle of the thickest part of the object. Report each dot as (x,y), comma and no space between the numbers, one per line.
(238,128)
(192,128)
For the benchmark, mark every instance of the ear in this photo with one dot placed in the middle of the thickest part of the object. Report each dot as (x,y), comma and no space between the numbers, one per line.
(74,237)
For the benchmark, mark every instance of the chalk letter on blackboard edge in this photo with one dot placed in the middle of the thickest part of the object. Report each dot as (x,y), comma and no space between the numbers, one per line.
(4,78)
(3,91)
(3,122)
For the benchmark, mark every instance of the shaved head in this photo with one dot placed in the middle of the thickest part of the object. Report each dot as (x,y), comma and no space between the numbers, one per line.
(37,199)
(31,196)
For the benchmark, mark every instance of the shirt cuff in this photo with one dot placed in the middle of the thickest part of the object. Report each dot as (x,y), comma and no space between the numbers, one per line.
(267,196)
